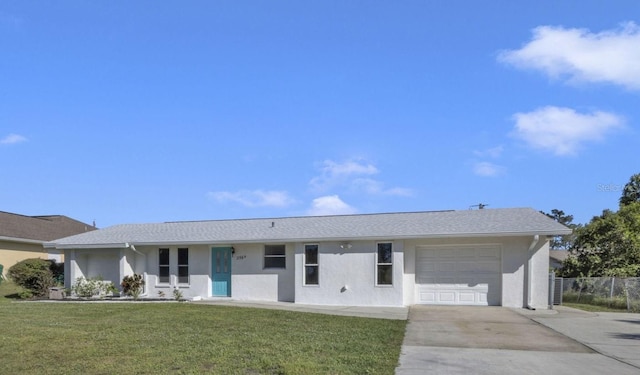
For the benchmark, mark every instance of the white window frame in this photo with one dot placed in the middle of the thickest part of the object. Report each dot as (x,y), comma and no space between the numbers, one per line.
(378,264)
(183,266)
(305,265)
(167,265)
(283,256)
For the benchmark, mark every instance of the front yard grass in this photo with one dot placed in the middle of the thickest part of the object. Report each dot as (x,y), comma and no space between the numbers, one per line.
(593,308)
(185,338)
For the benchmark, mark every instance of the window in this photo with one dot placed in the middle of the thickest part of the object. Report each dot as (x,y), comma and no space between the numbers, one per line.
(163,265)
(384,264)
(183,266)
(274,256)
(311,264)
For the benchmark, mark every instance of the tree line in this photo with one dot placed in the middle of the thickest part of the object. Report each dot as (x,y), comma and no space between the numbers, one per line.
(609,245)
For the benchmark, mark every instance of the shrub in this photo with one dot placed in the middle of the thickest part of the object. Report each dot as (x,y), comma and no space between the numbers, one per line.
(25,294)
(177,294)
(34,274)
(132,285)
(92,287)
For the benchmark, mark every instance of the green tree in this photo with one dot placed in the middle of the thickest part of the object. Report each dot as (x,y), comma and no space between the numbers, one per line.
(608,246)
(631,191)
(562,242)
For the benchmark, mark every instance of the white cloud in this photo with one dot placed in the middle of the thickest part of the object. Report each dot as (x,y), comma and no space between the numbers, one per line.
(330,205)
(355,175)
(611,56)
(563,130)
(486,169)
(494,152)
(375,187)
(12,138)
(253,198)
(333,173)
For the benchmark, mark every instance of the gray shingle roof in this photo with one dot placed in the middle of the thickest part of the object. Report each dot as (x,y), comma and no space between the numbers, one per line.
(40,228)
(488,222)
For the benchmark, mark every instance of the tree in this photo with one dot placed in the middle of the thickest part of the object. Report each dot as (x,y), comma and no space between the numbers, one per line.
(608,246)
(562,242)
(631,191)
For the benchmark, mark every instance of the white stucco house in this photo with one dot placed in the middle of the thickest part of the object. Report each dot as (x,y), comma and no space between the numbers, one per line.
(470,257)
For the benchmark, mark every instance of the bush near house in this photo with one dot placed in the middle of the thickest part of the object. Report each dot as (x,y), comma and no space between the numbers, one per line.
(132,285)
(35,275)
(92,287)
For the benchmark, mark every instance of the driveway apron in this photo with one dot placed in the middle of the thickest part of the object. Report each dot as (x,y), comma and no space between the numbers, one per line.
(493,340)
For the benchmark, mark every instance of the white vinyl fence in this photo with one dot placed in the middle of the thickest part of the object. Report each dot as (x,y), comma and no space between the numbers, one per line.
(614,292)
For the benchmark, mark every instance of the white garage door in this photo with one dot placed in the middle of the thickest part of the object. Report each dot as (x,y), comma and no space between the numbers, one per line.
(461,275)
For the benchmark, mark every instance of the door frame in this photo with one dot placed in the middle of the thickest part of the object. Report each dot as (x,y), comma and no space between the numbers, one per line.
(228,250)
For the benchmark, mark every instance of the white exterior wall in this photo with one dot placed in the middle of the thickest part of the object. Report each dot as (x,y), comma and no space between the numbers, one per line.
(347,276)
(251,281)
(104,263)
(514,262)
(199,271)
(540,275)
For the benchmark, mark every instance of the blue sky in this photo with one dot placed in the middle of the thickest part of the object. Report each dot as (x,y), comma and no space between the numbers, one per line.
(149,111)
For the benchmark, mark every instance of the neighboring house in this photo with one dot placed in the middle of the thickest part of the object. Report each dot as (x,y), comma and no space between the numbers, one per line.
(556,257)
(471,257)
(22,237)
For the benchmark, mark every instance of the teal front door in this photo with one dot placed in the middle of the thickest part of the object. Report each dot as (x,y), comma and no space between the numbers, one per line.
(221,271)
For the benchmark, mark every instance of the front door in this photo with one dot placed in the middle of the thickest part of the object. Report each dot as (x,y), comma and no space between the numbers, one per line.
(221,271)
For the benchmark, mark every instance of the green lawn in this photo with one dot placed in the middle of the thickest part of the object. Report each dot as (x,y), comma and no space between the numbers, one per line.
(184,338)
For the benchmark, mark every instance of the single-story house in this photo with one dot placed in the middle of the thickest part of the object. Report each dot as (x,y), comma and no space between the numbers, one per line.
(470,257)
(22,237)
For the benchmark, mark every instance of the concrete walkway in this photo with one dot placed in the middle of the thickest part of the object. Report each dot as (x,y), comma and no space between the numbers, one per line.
(496,340)
(396,313)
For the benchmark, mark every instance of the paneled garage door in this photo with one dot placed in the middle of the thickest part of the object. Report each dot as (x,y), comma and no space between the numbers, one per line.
(460,275)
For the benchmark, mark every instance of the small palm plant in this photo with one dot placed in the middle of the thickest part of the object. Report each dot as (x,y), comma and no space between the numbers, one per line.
(132,286)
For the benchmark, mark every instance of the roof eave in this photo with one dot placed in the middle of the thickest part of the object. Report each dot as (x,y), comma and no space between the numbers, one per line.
(120,245)
(21,240)
(307,239)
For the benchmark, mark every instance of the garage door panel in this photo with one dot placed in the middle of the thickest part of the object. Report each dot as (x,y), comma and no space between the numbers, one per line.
(485,267)
(427,266)
(488,252)
(465,253)
(470,267)
(467,297)
(428,297)
(468,275)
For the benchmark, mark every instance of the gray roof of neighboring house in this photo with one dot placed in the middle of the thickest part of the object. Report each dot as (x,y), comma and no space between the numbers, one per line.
(39,228)
(558,255)
(486,222)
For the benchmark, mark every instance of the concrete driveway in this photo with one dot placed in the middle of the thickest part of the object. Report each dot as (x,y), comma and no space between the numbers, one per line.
(616,335)
(497,340)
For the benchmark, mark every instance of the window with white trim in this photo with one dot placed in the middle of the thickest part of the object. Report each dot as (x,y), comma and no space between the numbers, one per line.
(311,265)
(274,256)
(163,266)
(384,264)
(183,266)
